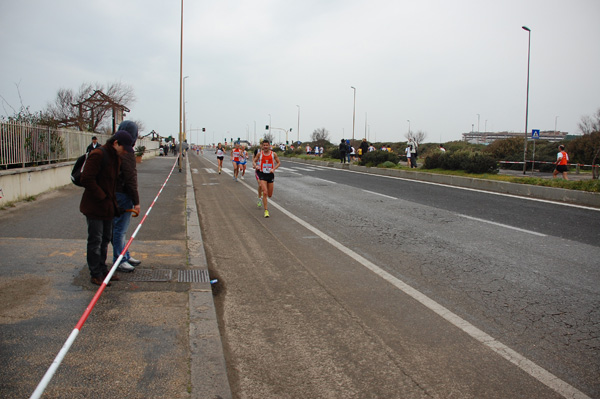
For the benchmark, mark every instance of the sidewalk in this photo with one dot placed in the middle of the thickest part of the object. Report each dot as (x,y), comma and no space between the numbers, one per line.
(153,334)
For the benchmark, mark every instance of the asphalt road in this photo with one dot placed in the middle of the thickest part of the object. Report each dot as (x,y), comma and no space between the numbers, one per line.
(367,286)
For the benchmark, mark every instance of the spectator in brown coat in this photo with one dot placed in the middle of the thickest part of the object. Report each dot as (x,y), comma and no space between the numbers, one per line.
(98,202)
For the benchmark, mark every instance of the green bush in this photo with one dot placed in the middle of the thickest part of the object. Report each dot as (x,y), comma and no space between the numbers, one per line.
(378,157)
(387,164)
(469,161)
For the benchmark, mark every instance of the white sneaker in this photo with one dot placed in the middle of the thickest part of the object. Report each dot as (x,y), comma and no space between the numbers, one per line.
(125,267)
(133,262)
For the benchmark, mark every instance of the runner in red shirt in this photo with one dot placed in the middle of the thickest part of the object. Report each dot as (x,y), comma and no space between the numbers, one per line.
(236,153)
(562,159)
(266,162)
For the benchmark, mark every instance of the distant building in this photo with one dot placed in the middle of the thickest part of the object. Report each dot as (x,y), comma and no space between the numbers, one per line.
(490,137)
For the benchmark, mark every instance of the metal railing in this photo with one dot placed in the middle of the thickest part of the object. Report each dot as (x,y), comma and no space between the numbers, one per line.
(23,145)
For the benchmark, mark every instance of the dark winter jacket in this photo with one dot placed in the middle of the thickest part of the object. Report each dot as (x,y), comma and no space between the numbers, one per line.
(127,180)
(100,179)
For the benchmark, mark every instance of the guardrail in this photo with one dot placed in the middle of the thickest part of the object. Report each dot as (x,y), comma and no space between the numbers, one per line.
(23,145)
(577,166)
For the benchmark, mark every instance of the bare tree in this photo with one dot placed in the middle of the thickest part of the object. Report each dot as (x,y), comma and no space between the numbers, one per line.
(270,137)
(321,134)
(417,137)
(68,109)
(590,124)
(22,114)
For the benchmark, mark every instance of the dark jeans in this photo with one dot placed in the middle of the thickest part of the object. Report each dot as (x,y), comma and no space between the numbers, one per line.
(413,161)
(343,157)
(99,235)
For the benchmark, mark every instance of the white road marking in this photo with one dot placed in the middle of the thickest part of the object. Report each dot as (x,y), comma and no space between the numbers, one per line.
(381,195)
(305,169)
(326,181)
(208,170)
(503,225)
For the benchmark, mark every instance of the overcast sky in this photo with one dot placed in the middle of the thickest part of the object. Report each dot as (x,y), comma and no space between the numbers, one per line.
(436,63)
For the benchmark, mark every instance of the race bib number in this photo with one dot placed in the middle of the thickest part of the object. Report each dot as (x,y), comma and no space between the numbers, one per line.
(267,167)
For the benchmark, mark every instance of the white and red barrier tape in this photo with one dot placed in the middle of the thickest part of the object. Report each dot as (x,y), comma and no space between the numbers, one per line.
(67,345)
(553,163)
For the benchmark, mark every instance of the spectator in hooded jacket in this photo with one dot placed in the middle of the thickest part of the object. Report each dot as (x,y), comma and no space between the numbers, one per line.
(99,203)
(127,198)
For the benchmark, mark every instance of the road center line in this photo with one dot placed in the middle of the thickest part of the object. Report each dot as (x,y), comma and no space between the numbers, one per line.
(539,373)
(503,225)
(382,195)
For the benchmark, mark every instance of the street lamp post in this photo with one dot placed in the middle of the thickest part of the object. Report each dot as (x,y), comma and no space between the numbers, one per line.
(478,116)
(179,161)
(184,125)
(408,120)
(298,123)
(353,111)
(555,120)
(527,100)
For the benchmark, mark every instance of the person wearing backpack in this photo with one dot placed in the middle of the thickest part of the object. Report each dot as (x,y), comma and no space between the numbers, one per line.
(98,202)
(343,150)
(127,198)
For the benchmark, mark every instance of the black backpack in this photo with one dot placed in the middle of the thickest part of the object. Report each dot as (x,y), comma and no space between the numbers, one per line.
(80,164)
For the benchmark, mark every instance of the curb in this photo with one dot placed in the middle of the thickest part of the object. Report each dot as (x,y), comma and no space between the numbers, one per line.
(208,371)
(524,190)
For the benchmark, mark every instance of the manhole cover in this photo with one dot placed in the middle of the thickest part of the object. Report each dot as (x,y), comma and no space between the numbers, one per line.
(160,275)
(193,276)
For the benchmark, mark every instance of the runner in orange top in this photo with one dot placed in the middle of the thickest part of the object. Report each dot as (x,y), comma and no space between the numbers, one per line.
(562,159)
(266,162)
(236,153)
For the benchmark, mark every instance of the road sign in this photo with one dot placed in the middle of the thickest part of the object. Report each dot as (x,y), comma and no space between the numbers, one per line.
(535,133)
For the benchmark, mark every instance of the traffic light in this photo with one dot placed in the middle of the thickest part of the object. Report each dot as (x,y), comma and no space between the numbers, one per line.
(204,129)
(267,127)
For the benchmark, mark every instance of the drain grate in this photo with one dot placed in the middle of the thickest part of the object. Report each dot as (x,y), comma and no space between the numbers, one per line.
(149,275)
(193,276)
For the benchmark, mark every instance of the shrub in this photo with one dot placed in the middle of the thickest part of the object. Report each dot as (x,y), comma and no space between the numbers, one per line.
(378,157)
(387,164)
(470,162)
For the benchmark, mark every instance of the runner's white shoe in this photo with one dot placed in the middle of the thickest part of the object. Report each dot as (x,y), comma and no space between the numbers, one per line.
(259,203)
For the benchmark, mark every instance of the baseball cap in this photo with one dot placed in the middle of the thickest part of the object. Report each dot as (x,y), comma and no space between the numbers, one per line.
(124,139)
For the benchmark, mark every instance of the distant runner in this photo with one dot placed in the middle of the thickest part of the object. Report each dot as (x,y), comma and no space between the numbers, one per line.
(236,153)
(266,163)
(220,155)
(243,160)
(562,160)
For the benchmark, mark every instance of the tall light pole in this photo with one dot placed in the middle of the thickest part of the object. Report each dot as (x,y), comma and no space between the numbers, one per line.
(353,111)
(184,125)
(408,120)
(555,120)
(180,89)
(270,127)
(298,123)
(478,116)
(527,101)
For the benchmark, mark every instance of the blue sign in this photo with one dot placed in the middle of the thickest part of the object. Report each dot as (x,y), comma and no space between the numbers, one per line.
(535,133)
